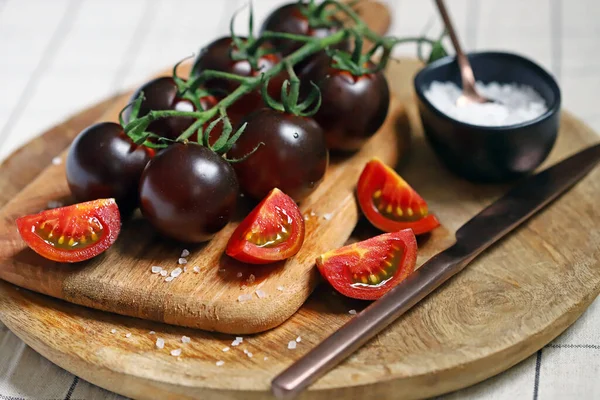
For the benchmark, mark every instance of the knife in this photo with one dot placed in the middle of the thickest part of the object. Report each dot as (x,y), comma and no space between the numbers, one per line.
(476,235)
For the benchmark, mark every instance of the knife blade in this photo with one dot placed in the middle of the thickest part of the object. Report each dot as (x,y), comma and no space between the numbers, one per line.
(475,236)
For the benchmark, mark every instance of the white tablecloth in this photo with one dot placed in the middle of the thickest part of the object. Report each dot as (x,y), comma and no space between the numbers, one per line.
(59,56)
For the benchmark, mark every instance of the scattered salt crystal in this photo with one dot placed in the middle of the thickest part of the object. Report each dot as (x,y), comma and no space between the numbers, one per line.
(241,194)
(176,272)
(239,274)
(184,269)
(113,331)
(244,297)
(185,339)
(197,270)
(251,279)
(239,339)
(235,343)
(169,279)
(176,352)
(185,253)
(152,333)
(163,273)
(226,348)
(280,288)
(249,354)
(220,363)
(327,216)
(57,161)
(298,339)
(243,287)
(245,351)
(156,269)
(182,261)
(352,312)
(260,294)
(160,343)
(292,345)
(128,335)
(513,103)
(312,214)
(221,270)
(266,358)
(306,217)
(54,204)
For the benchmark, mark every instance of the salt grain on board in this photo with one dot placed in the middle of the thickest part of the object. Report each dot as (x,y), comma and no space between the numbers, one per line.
(113,331)
(156,269)
(266,358)
(245,351)
(352,312)
(261,294)
(184,269)
(225,349)
(197,270)
(327,216)
(57,161)
(169,279)
(244,297)
(220,363)
(239,274)
(176,352)
(152,333)
(185,253)
(176,272)
(185,339)
(182,261)
(54,204)
(128,335)
(251,279)
(249,355)
(239,339)
(298,339)
(235,343)
(160,343)
(292,345)
(163,273)
(280,288)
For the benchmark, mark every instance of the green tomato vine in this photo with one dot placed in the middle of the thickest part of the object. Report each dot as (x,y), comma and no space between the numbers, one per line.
(356,62)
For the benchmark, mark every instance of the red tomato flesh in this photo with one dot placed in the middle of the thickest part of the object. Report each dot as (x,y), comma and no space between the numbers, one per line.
(273,231)
(74,233)
(369,269)
(389,203)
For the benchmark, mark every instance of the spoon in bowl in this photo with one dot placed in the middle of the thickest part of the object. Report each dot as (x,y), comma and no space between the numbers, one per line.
(469,93)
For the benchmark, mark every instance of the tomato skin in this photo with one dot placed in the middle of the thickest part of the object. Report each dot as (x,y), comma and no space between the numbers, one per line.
(353,108)
(267,218)
(103,162)
(350,268)
(379,182)
(162,94)
(290,18)
(104,212)
(188,192)
(216,56)
(294,157)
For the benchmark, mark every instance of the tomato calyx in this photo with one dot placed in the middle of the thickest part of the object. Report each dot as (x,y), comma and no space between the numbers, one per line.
(73,233)
(367,270)
(290,93)
(389,203)
(273,231)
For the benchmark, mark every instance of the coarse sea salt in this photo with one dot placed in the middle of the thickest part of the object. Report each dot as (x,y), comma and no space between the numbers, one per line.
(156,269)
(266,358)
(260,294)
(163,273)
(239,274)
(185,339)
(57,161)
(54,204)
(219,363)
(160,343)
(225,349)
(128,335)
(513,103)
(185,253)
(352,312)
(176,352)
(182,261)
(113,331)
(152,333)
(298,339)
(327,216)
(169,279)
(251,279)
(244,297)
(292,345)
(176,272)
(280,288)
(197,270)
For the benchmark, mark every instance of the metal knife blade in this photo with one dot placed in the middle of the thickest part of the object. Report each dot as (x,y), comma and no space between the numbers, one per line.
(479,233)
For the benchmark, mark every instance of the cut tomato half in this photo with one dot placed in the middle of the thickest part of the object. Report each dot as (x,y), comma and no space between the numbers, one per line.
(74,233)
(273,231)
(389,203)
(369,269)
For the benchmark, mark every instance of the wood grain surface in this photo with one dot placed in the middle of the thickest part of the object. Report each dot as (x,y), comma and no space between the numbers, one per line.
(506,305)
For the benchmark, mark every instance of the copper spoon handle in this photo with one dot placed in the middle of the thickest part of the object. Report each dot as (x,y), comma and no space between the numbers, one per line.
(466,72)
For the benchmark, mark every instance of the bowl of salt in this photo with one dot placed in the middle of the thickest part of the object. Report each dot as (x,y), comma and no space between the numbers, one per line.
(497,141)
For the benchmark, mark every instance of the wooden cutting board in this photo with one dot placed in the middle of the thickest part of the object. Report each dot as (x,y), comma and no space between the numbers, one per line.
(502,308)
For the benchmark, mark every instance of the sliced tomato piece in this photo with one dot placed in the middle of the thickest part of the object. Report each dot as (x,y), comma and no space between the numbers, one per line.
(389,203)
(74,233)
(369,269)
(273,231)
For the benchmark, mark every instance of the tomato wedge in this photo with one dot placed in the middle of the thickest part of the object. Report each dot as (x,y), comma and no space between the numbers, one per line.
(369,269)
(273,231)
(389,203)
(74,233)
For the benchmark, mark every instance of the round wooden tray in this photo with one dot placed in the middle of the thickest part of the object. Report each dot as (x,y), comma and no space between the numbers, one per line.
(507,304)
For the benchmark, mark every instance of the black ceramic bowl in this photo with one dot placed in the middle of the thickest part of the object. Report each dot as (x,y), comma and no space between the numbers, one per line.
(490,153)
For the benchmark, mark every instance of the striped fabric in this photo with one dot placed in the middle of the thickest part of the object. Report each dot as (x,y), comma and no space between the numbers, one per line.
(60,56)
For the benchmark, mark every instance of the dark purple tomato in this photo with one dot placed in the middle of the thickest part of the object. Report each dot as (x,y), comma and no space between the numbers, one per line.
(294,156)
(353,108)
(188,192)
(162,94)
(104,163)
(216,56)
(291,18)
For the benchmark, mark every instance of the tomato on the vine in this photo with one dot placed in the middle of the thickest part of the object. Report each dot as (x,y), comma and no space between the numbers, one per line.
(273,231)
(188,192)
(162,94)
(369,269)
(217,56)
(103,162)
(292,18)
(74,233)
(389,203)
(293,156)
(353,107)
